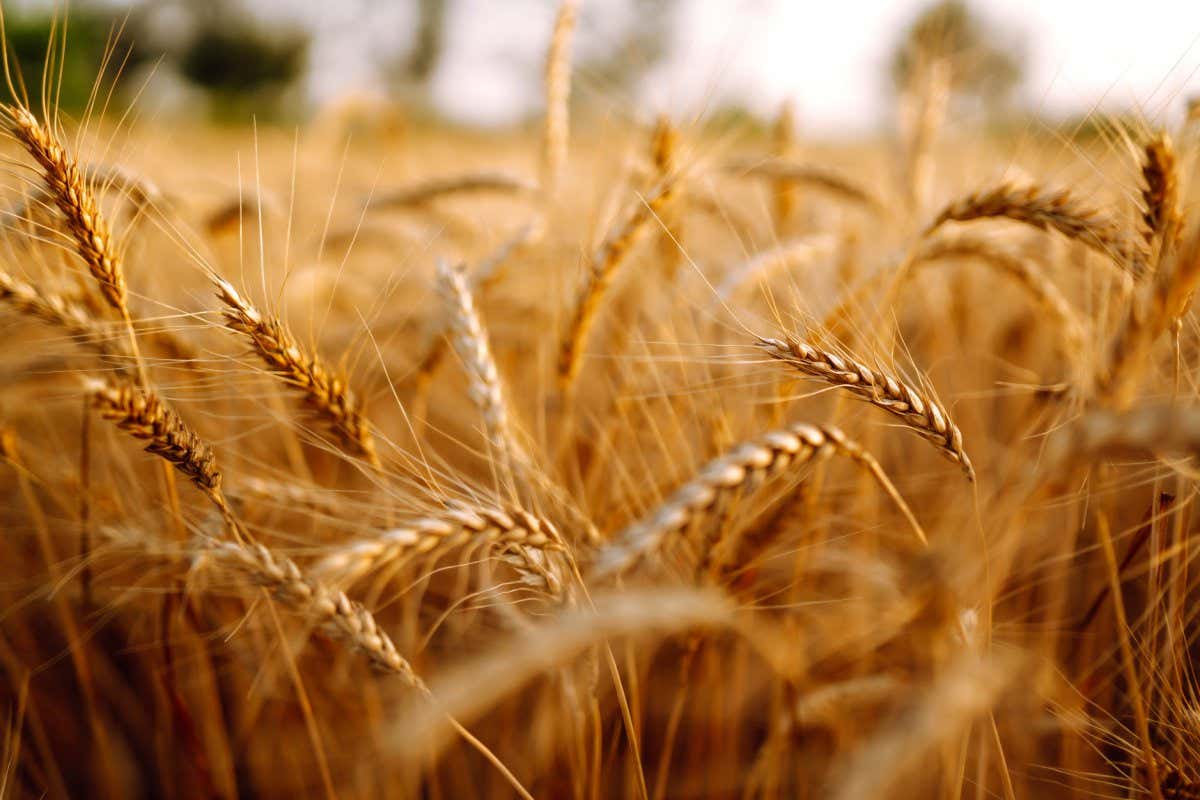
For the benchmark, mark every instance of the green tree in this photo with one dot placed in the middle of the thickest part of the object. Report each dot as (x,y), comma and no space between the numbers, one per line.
(985,63)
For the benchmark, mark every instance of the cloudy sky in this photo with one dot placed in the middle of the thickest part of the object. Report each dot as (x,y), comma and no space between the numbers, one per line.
(829,55)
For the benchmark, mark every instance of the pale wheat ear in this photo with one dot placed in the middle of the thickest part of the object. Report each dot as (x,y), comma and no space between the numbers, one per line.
(324,391)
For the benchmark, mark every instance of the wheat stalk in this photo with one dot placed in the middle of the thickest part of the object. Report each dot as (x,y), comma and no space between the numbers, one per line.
(1045,210)
(743,468)
(920,413)
(1041,290)
(325,392)
(602,269)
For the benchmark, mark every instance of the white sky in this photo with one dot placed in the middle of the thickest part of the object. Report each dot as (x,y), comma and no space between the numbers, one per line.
(829,55)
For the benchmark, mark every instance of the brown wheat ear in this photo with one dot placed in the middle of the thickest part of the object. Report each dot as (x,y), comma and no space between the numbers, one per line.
(1161,217)
(325,392)
(62,312)
(141,413)
(921,413)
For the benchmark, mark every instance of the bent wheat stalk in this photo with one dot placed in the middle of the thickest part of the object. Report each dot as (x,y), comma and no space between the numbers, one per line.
(471,183)
(741,469)
(920,413)
(781,172)
(1045,210)
(324,392)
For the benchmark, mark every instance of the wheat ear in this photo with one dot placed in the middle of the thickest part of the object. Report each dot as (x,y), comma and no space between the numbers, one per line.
(602,268)
(744,467)
(61,312)
(343,620)
(556,130)
(141,413)
(783,135)
(920,413)
(1161,302)
(1045,210)
(1161,217)
(325,392)
(511,532)
(786,172)
(784,255)
(471,343)
(75,199)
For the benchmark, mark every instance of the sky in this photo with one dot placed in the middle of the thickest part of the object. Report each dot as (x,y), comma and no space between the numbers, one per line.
(828,56)
(831,57)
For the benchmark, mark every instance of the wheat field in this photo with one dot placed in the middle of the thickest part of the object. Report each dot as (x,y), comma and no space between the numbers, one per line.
(610,457)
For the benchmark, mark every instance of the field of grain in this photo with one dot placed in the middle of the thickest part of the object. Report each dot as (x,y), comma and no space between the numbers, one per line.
(611,457)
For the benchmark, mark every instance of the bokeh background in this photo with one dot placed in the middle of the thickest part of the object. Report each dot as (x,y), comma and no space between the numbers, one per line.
(478,62)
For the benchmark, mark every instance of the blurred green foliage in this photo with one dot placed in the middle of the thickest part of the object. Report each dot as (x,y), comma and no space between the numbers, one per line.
(91,33)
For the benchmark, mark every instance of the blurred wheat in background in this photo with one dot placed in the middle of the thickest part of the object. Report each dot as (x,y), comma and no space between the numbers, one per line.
(349,452)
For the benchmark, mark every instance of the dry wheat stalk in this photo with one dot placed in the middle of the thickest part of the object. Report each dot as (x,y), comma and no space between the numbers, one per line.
(921,413)
(336,614)
(471,343)
(664,152)
(783,135)
(1161,217)
(76,201)
(743,468)
(326,393)
(779,171)
(925,108)
(601,271)
(1044,293)
(62,312)
(1156,428)
(556,131)
(785,254)
(511,531)
(1045,210)
(471,183)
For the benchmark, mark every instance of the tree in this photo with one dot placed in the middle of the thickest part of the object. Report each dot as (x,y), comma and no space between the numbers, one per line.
(984,63)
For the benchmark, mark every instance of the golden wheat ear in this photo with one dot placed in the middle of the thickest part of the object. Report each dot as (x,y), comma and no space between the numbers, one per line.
(920,412)
(324,391)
